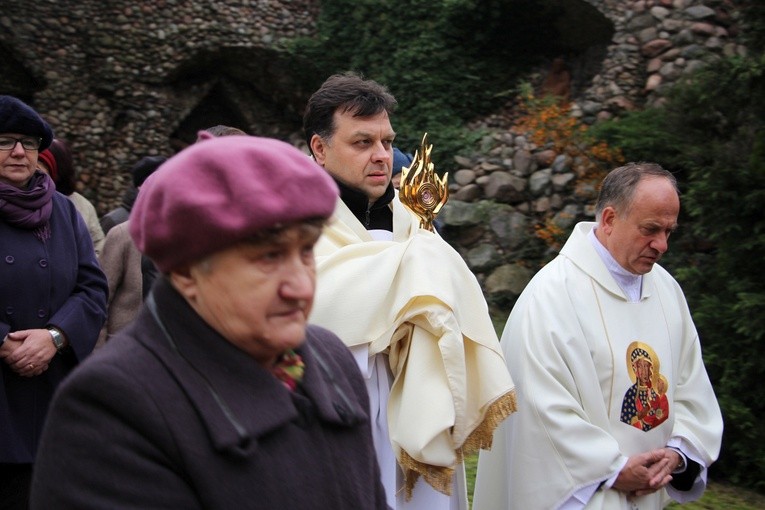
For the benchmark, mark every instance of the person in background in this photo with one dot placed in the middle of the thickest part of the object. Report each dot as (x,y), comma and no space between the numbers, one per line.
(56,161)
(52,294)
(129,273)
(219,130)
(143,168)
(219,395)
(400,160)
(406,304)
(618,410)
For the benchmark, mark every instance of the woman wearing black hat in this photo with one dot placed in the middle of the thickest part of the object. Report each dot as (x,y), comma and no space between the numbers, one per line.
(52,294)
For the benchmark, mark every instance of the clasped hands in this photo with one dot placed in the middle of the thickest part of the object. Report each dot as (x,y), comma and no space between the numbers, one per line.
(647,472)
(28,352)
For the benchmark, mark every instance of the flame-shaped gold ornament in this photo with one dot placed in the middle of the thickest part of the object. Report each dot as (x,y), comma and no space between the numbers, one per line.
(422,190)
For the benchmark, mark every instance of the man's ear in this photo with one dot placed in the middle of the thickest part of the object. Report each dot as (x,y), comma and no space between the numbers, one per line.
(607,218)
(318,148)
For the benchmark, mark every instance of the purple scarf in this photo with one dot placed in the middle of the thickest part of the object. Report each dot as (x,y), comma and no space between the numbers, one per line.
(29,208)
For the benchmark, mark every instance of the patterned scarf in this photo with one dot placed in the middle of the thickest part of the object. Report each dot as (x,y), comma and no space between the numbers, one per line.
(289,369)
(29,208)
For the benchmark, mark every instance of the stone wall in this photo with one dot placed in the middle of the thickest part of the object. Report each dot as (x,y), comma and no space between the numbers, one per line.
(120,80)
(655,43)
(507,189)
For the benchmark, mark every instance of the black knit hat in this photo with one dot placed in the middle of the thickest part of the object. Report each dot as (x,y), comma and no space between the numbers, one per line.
(18,117)
(144,168)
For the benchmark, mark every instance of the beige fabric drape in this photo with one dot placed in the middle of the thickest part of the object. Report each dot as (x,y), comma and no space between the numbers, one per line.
(415,298)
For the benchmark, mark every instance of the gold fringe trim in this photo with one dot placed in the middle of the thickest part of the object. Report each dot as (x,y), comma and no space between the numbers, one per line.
(439,477)
(483,436)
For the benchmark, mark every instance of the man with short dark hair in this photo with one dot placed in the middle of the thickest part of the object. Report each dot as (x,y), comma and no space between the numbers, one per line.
(618,410)
(406,304)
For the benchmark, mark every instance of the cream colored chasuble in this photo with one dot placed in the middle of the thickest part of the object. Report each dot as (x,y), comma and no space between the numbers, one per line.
(573,341)
(414,299)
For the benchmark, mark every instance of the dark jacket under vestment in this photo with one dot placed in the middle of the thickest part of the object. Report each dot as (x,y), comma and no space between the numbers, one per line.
(184,419)
(378,216)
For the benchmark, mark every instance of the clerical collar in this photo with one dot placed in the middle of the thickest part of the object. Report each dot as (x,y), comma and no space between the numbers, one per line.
(630,283)
(378,216)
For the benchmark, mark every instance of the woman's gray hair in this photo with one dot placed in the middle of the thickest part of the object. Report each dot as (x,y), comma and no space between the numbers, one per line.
(618,188)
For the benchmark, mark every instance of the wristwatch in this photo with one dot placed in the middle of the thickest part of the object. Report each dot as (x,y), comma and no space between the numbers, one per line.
(58,338)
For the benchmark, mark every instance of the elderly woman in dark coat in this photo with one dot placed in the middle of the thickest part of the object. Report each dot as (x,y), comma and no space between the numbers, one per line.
(219,395)
(52,294)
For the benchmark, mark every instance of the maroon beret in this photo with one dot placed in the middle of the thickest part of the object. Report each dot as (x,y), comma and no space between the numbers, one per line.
(223,190)
(49,159)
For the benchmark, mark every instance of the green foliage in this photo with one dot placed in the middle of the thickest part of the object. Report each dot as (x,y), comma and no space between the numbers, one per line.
(446,62)
(712,134)
(753,15)
(403,45)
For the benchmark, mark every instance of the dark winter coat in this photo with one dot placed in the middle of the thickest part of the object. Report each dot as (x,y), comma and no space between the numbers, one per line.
(59,283)
(181,418)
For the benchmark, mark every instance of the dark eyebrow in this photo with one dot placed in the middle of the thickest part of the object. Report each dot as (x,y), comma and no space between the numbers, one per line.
(391,135)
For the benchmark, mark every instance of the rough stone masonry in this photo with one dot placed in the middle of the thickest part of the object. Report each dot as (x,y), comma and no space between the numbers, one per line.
(120,80)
